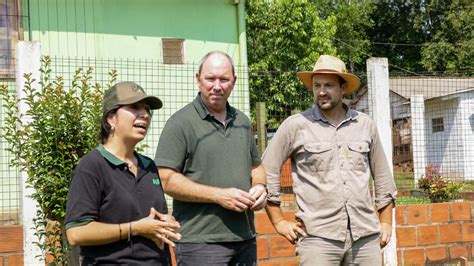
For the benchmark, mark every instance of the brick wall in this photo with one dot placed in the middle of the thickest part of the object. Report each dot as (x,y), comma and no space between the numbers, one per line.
(434,232)
(273,249)
(11,245)
(425,233)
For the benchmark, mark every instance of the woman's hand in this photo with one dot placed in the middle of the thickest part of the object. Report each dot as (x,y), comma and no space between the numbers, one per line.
(160,228)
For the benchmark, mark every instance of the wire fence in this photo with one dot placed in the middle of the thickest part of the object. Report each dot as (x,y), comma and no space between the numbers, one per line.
(447,120)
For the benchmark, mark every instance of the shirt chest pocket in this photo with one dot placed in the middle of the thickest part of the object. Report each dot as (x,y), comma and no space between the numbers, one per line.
(319,156)
(359,155)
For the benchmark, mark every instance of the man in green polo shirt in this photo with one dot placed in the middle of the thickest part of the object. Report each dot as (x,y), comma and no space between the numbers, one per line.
(209,164)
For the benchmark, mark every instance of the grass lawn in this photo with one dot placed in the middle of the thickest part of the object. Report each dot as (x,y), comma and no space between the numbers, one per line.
(405,200)
(404,181)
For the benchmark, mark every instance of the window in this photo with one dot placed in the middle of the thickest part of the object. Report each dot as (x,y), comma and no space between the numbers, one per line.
(173,51)
(437,124)
(10,30)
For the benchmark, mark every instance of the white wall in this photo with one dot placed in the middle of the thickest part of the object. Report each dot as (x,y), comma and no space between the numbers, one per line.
(466,117)
(445,149)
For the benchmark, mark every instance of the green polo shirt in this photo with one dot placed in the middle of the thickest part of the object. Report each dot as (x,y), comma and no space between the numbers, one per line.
(194,143)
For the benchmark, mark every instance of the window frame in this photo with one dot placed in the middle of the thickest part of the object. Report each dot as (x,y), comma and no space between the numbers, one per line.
(437,124)
(12,33)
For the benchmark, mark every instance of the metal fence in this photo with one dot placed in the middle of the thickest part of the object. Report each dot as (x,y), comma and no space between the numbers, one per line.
(447,117)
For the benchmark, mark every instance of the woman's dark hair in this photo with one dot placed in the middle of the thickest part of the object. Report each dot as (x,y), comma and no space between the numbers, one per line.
(105,127)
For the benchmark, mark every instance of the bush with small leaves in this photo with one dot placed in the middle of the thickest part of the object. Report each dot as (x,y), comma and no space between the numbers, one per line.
(59,127)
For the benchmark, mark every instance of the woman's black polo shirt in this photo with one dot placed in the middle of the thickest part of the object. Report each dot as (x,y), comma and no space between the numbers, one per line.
(104,190)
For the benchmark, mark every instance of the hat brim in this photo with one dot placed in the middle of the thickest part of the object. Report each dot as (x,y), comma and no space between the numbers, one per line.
(352,81)
(154,102)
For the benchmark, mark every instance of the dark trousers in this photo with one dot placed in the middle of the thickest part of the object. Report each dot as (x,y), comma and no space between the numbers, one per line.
(221,253)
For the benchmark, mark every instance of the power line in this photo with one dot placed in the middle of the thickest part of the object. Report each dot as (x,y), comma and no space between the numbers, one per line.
(400,44)
(368,55)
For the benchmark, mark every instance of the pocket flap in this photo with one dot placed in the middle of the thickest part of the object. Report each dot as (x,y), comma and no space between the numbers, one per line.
(318,147)
(358,146)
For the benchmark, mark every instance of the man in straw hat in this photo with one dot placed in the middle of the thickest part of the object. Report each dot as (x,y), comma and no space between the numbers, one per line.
(334,151)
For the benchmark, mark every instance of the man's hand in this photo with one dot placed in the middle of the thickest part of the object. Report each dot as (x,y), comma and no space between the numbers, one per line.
(235,199)
(259,193)
(385,233)
(290,230)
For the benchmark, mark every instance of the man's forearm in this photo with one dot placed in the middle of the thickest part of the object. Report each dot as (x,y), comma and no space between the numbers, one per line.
(385,214)
(258,175)
(274,212)
(182,188)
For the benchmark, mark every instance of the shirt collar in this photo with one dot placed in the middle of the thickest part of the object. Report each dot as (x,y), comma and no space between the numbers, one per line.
(350,114)
(116,161)
(204,112)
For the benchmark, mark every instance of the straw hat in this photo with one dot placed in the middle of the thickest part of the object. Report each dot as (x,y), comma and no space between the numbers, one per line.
(328,64)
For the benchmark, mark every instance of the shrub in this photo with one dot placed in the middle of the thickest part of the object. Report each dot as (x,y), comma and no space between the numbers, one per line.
(61,126)
(437,187)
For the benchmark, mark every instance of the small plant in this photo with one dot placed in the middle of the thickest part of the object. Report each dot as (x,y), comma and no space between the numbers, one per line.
(46,142)
(437,187)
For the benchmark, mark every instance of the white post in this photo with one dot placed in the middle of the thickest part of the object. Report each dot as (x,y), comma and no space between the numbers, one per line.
(379,97)
(28,60)
(417,106)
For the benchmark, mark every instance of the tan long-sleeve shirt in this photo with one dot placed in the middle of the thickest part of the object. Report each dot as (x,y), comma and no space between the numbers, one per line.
(331,170)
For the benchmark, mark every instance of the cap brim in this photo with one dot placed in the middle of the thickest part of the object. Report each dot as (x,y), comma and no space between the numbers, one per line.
(353,82)
(154,102)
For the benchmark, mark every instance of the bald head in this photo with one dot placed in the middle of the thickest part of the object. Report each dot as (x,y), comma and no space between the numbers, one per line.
(212,54)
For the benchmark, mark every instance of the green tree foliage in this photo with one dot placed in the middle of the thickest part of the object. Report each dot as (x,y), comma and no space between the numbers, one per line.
(61,126)
(352,21)
(397,26)
(451,48)
(284,37)
(425,35)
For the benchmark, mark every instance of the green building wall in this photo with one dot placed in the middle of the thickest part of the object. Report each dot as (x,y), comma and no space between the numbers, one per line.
(130,32)
(127,36)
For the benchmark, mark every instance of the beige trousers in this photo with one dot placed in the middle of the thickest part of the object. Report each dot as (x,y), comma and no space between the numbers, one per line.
(314,250)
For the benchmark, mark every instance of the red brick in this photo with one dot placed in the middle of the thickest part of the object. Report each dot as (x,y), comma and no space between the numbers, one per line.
(439,213)
(414,256)
(1,260)
(406,236)
(399,257)
(292,262)
(458,251)
(280,262)
(434,254)
(280,247)
(449,233)
(263,224)
(15,260)
(461,211)
(417,214)
(262,248)
(400,214)
(11,239)
(274,262)
(467,232)
(427,235)
(173,256)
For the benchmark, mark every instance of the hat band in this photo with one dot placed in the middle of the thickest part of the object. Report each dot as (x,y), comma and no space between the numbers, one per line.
(329,70)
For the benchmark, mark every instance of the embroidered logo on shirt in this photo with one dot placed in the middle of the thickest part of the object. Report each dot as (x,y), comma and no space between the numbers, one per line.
(156,181)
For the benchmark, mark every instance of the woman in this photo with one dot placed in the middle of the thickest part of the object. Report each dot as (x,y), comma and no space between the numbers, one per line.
(115,209)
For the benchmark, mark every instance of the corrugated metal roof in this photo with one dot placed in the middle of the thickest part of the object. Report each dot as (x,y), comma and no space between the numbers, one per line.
(430,87)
